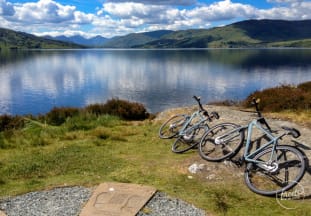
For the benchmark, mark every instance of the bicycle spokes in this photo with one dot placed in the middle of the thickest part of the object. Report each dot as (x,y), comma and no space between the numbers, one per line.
(221,142)
(273,177)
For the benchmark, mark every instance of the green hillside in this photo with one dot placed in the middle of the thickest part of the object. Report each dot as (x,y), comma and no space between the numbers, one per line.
(128,41)
(244,34)
(250,33)
(10,39)
(135,39)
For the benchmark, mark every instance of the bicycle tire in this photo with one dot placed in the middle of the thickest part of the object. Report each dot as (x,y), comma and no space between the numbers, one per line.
(267,183)
(189,140)
(210,151)
(171,127)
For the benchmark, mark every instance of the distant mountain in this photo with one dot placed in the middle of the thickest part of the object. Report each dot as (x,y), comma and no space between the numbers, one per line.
(97,41)
(135,39)
(10,39)
(250,33)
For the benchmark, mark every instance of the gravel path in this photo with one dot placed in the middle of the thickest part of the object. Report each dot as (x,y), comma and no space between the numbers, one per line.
(69,201)
(66,201)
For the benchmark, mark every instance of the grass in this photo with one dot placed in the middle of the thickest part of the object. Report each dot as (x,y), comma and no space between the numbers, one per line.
(301,117)
(88,151)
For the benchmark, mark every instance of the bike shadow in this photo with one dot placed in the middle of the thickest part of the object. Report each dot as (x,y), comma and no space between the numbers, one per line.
(303,147)
(308,169)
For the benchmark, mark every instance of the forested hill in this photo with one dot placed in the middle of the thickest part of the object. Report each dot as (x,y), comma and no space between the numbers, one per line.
(250,33)
(10,39)
(244,34)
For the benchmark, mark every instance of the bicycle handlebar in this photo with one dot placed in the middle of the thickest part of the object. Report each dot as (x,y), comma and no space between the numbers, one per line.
(198,99)
(262,120)
(213,115)
(256,102)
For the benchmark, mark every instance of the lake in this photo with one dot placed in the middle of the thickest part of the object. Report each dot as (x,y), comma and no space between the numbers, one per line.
(33,82)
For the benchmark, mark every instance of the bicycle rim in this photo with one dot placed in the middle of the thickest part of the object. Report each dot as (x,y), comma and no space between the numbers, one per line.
(291,168)
(190,140)
(211,151)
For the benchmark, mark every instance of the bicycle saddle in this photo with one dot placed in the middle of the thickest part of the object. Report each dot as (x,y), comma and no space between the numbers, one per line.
(292,131)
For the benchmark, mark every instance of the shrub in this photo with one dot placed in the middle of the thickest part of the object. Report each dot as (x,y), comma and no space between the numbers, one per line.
(121,108)
(125,109)
(97,109)
(285,97)
(305,87)
(58,115)
(8,122)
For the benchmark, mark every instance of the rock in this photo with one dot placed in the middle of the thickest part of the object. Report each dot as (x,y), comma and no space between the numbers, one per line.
(194,168)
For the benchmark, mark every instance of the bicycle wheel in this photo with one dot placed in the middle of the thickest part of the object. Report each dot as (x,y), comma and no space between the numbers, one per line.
(284,173)
(221,142)
(189,140)
(171,127)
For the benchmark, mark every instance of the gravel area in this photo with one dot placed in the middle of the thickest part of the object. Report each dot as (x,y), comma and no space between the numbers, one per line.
(69,201)
(66,201)
(162,205)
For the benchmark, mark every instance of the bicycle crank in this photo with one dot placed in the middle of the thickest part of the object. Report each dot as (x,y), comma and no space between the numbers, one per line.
(269,167)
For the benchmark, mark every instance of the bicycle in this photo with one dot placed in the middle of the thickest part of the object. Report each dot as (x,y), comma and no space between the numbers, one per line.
(270,168)
(187,129)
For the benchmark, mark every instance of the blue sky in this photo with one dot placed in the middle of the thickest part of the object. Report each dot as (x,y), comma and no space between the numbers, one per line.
(119,17)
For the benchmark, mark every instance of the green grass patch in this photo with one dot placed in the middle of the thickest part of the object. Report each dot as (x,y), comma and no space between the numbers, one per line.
(110,149)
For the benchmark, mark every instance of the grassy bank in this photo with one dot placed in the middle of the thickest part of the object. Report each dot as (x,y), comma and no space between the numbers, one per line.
(41,156)
(90,147)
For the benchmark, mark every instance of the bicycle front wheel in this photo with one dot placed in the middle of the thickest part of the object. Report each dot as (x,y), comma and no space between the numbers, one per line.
(221,142)
(171,127)
(189,140)
(286,170)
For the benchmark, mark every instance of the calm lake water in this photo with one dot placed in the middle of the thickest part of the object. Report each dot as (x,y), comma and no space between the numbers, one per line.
(36,81)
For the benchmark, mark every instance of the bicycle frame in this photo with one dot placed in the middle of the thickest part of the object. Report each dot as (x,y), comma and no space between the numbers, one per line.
(185,128)
(247,155)
(273,142)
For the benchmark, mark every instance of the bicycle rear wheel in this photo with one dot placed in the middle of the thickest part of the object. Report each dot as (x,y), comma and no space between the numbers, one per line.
(171,127)
(284,173)
(221,142)
(189,140)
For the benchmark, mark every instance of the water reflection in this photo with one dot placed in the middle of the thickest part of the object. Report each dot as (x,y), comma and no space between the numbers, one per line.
(34,82)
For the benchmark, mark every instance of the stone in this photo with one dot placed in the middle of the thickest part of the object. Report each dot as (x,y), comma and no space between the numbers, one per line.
(117,199)
(194,168)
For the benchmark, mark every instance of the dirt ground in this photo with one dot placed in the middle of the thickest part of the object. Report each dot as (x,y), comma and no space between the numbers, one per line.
(212,171)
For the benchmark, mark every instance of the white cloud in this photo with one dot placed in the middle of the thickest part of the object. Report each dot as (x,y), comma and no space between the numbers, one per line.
(130,9)
(43,11)
(296,11)
(48,12)
(284,1)
(158,2)
(67,33)
(131,14)
(222,10)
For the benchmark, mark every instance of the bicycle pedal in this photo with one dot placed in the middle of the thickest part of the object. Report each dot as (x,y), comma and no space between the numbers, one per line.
(239,162)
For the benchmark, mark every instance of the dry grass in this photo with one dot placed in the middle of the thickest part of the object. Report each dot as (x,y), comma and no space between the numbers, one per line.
(299,117)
